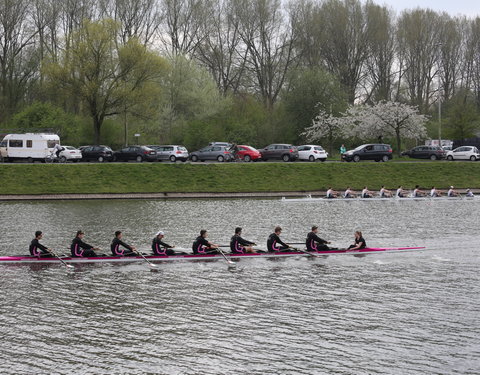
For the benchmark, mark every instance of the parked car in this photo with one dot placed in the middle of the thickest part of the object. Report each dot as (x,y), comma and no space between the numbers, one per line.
(71,154)
(225,144)
(248,153)
(464,153)
(170,152)
(377,152)
(137,153)
(97,153)
(426,152)
(312,153)
(29,146)
(283,152)
(219,153)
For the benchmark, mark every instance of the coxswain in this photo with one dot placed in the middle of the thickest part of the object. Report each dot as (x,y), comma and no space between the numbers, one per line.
(366,193)
(238,245)
(315,243)
(161,248)
(120,248)
(331,193)
(203,246)
(359,242)
(451,192)
(349,193)
(469,193)
(417,192)
(434,193)
(400,192)
(37,249)
(80,248)
(384,193)
(274,241)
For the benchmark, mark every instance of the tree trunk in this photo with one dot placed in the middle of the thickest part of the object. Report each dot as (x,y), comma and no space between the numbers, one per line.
(97,124)
(399,142)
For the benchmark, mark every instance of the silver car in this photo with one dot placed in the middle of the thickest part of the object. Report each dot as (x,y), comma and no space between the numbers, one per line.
(171,152)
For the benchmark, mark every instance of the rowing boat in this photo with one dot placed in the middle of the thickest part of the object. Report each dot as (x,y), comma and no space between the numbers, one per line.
(24,259)
(309,198)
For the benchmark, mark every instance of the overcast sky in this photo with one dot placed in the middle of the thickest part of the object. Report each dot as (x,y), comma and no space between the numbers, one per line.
(469,8)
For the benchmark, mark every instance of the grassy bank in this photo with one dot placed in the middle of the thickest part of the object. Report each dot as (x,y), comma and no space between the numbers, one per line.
(258,177)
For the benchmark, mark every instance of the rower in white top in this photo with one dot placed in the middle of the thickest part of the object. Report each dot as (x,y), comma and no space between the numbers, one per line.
(451,192)
(331,193)
(469,194)
(349,193)
(435,193)
(400,192)
(366,193)
(417,192)
(384,193)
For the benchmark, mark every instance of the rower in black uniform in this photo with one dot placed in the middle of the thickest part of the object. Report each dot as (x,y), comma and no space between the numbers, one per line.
(315,243)
(80,248)
(120,248)
(37,249)
(203,246)
(274,241)
(359,242)
(161,248)
(238,245)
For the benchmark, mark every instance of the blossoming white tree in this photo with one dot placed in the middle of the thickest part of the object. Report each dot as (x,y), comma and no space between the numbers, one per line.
(325,125)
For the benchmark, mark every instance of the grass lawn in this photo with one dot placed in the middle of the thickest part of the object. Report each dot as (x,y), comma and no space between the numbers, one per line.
(241,177)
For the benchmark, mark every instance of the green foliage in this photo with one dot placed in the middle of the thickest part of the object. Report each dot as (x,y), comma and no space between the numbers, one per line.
(462,118)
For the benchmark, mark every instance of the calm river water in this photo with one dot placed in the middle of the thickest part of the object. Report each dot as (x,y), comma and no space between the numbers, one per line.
(382,314)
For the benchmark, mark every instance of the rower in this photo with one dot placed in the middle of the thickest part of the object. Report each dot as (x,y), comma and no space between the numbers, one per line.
(80,248)
(274,240)
(238,245)
(417,192)
(434,193)
(366,193)
(161,248)
(400,192)
(331,193)
(384,193)
(349,193)
(37,249)
(359,242)
(451,192)
(315,243)
(203,246)
(469,193)
(127,249)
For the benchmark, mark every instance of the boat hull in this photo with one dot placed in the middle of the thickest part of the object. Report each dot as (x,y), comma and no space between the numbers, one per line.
(207,257)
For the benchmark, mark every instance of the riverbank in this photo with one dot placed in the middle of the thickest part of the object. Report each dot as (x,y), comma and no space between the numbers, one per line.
(164,180)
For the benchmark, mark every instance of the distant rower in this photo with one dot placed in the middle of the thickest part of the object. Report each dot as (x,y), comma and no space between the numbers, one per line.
(469,193)
(366,193)
(123,251)
(203,246)
(315,243)
(37,249)
(384,193)
(451,192)
(349,193)
(238,245)
(417,192)
(359,242)
(80,248)
(434,193)
(331,193)
(161,248)
(274,241)
(400,192)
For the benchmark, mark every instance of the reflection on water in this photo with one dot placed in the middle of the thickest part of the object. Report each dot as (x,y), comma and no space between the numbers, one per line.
(386,314)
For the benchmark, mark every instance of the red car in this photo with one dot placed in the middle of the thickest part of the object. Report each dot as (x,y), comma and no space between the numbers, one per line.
(248,153)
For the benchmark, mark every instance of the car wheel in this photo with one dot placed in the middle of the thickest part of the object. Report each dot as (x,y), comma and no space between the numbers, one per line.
(194,158)
(311,158)
(384,158)
(63,159)
(139,159)
(30,160)
(220,159)
(101,159)
(286,158)
(247,158)
(356,158)
(450,157)
(433,157)
(173,159)
(473,158)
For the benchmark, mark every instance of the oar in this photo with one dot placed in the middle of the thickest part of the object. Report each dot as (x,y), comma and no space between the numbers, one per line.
(69,266)
(231,263)
(146,260)
(309,253)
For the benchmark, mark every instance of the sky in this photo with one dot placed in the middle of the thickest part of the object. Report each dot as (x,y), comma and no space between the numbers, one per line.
(470,8)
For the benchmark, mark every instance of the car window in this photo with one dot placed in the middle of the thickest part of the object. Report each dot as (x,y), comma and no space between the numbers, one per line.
(216,148)
(303,148)
(318,148)
(182,149)
(170,148)
(369,148)
(15,143)
(3,144)
(87,149)
(242,149)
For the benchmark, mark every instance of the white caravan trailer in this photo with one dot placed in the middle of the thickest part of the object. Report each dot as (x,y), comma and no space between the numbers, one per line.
(30,146)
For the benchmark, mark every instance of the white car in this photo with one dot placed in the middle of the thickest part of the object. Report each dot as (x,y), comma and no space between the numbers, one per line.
(71,153)
(464,153)
(312,153)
